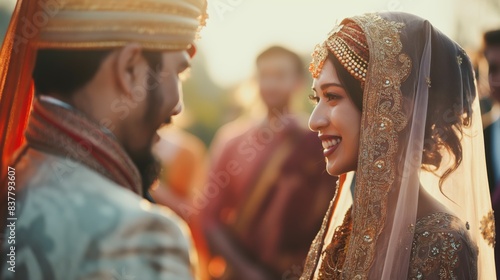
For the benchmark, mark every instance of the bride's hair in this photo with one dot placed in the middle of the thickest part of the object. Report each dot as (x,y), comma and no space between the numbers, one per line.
(449,107)
(447,111)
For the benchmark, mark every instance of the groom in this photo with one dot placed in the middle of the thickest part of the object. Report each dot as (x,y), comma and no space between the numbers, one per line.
(106,77)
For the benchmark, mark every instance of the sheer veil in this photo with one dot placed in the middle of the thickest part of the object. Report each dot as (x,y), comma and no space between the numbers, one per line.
(414,72)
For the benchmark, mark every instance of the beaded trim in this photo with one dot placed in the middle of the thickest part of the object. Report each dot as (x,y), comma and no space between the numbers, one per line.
(348,53)
(318,59)
(352,62)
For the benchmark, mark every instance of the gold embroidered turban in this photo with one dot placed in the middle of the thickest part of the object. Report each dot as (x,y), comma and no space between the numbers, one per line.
(91,24)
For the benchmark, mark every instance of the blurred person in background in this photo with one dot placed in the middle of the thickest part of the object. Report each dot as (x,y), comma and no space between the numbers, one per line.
(182,156)
(266,183)
(492,125)
(492,129)
(103,76)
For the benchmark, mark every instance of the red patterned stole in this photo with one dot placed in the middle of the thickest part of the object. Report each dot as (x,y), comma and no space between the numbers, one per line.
(60,131)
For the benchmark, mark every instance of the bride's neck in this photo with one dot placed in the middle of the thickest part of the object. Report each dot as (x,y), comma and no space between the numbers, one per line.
(428,205)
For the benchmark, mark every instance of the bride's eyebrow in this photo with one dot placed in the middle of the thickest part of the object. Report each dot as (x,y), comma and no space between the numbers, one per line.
(325,86)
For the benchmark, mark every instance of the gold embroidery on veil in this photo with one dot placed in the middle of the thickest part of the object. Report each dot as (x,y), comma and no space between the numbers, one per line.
(488,228)
(317,244)
(335,252)
(383,119)
(320,53)
(443,245)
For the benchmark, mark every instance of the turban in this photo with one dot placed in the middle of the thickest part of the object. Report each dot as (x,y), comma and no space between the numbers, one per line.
(157,25)
(91,24)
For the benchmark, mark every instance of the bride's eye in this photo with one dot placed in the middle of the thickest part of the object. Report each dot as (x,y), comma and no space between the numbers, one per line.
(314,99)
(332,96)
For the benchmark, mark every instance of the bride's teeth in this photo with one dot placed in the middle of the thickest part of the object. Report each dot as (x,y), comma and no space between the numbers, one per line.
(330,143)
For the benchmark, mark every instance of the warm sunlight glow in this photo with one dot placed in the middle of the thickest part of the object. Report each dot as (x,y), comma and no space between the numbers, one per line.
(239,29)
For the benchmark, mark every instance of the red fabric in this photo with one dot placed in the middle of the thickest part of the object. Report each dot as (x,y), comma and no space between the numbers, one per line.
(97,152)
(355,38)
(16,87)
(69,134)
(16,90)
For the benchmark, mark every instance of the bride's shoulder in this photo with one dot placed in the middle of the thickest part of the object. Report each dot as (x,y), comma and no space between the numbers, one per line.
(441,222)
(442,245)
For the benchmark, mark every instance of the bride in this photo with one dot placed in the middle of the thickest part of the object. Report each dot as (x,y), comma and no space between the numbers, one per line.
(396,103)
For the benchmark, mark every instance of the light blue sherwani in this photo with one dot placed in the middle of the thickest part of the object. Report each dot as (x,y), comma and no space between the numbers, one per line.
(73,223)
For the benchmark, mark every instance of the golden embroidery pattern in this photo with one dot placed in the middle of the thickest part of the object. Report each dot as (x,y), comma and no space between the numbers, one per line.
(109,44)
(159,24)
(335,252)
(382,105)
(150,28)
(123,25)
(320,54)
(488,228)
(316,246)
(441,247)
(135,7)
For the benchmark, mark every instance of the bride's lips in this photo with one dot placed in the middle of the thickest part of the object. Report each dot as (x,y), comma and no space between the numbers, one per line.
(330,143)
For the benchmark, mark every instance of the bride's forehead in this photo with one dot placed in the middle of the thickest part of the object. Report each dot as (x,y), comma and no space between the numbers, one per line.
(328,74)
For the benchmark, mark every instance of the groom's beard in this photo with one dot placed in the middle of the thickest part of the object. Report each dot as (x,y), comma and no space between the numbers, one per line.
(148,166)
(149,169)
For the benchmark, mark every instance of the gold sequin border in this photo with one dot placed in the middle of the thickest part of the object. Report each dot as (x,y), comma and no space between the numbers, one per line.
(388,68)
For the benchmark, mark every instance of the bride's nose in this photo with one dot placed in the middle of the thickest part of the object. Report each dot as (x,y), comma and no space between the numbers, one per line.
(318,119)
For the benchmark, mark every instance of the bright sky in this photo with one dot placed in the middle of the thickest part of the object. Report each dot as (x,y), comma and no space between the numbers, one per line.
(239,29)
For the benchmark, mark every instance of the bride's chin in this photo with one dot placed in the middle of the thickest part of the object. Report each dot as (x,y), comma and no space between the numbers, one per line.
(338,169)
(332,170)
